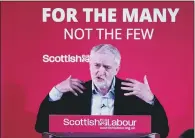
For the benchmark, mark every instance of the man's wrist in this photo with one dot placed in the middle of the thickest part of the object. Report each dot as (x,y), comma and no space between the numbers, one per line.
(57,89)
(152,100)
(55,94)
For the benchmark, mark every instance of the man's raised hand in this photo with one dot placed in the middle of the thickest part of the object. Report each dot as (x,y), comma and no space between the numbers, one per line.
(71,85)
(139,89)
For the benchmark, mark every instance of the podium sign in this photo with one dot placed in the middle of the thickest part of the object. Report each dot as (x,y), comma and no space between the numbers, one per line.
(101,125)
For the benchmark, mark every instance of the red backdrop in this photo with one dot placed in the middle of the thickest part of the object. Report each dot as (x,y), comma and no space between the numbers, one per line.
(167,60)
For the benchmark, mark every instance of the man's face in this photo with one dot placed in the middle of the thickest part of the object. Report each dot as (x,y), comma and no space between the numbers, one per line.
(103,68)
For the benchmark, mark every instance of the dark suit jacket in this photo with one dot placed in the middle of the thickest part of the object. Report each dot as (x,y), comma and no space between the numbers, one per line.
(123,105)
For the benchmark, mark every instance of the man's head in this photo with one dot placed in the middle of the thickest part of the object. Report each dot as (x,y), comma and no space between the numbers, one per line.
(104,65)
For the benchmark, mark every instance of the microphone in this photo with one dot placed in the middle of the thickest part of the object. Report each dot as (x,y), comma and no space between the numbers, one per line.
(103,105)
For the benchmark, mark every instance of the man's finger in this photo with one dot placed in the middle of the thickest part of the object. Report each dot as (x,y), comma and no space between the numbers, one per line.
(128,88)
(130,93)
(78,84)
(77,80)
(70,77)
(128,84)
(132,80)
(77,88)
(73,91)
(145,80)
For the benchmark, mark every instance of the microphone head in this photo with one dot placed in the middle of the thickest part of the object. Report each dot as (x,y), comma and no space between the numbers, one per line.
(103,105)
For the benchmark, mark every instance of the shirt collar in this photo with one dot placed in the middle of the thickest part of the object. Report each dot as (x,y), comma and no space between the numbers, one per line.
(111,91)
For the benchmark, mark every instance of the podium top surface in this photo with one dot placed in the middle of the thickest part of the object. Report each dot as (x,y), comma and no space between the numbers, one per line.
(98,135)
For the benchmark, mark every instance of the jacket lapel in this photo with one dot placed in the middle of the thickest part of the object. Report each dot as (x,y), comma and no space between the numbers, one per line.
(118,103)
(85,102)
(124,105)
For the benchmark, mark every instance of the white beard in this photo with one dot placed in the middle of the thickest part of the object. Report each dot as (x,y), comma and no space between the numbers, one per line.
(101,85)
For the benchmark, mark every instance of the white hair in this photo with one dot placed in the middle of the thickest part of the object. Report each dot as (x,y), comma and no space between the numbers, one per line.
(105,49)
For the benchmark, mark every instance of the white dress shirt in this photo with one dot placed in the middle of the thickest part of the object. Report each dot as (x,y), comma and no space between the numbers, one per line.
(103,105)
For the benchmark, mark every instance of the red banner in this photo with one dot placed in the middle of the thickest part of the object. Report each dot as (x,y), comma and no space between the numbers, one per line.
(83,123)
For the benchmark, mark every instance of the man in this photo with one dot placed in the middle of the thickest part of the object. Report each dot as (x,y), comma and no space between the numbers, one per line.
(105,94)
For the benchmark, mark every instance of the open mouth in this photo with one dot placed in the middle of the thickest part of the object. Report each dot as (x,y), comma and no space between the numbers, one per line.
(99,79)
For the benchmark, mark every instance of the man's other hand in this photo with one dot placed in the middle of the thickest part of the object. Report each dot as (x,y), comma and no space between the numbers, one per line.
(70,85)
(139,89)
